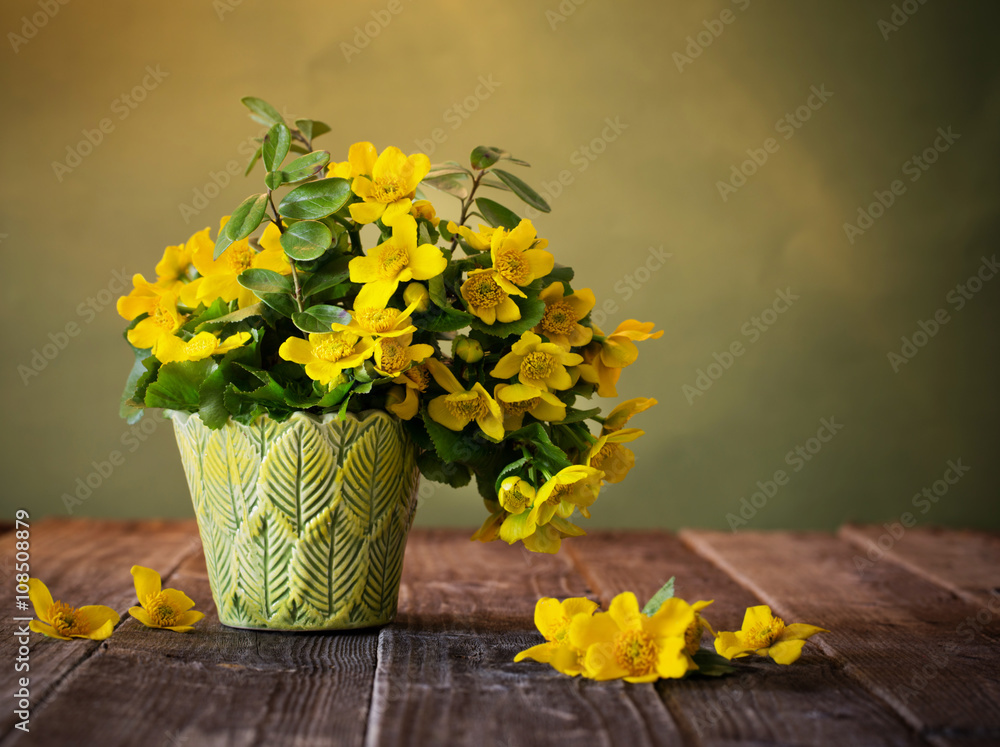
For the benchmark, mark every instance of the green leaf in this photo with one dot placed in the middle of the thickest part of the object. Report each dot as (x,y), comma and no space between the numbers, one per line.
(283,303)
(447,168)
(317,199)
(276,144)
(177,384)
(559,273)
(274,179)
(246,217)
(317,319)
(656,601)
(532,311)
(575,416)
(436,319)
(330,274)
(710,664)
(253,160)
(306,240)
(236,316)
(264,281)
(452,184)
(450,473)
(522,190)
(307,166)
(496,214)
(507,471)
(311,128)
(546,452)
(211,402)
(222,243)
(456,446)
(261,111)
(127,408)
(484,156)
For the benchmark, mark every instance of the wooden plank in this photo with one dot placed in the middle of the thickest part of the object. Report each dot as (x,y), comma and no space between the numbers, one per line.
(813,702)
(85,562)
(904,638)
(214,685)
(966,562)
(445,671)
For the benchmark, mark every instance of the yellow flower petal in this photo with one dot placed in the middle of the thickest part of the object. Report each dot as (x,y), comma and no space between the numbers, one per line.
(366,212)
(624,610)
(586,631)
(542,653)
(47,630)
(786,652)
(40,598)
(601,664)
(97,616)
(427,261)
(362,157)
(142,616)
(438,410)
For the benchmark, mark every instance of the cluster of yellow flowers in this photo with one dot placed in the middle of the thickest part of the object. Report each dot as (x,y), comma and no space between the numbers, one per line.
(372,327)
(169,609)
(626,643)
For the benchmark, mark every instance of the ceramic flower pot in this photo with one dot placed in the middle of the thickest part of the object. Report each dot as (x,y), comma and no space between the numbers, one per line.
(304,522)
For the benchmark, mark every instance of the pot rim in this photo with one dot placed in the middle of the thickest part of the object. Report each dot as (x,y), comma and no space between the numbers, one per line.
(181,417)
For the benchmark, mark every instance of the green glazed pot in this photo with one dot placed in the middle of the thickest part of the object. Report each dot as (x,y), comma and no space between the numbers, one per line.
(304,522)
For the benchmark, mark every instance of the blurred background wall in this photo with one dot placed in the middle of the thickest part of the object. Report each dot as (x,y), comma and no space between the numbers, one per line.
(706,162)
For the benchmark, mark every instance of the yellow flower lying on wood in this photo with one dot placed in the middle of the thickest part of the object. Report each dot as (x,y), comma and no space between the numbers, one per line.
(161,608)
(553,618)
(170,349)
(766,635)
(390,184)
(395,260)
(58,620)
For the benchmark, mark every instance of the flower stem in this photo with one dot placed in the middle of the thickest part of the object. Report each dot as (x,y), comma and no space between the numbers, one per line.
(466,204)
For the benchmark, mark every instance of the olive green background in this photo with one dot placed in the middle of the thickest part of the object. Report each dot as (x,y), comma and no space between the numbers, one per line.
(543,80)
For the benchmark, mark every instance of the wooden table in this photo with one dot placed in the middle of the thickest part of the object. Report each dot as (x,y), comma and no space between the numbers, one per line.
(911,658)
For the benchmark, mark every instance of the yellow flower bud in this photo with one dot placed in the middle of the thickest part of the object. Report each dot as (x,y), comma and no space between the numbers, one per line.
(467,349)
(417,293)
(516,495)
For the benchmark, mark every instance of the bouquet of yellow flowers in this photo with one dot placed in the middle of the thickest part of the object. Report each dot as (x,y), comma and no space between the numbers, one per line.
(474,338)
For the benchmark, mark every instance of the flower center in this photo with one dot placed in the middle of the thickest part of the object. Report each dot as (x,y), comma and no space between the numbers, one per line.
(635,652)
(763,635)
(517,408)
(387,189)
(332,349)
(559,318)
(159,609)
(468,408)
(537,366)
(67,620)
(376,320)
(556,496)
(608,452)
(164,316)
(240,257)
(557,630)
(391,261)
(483,292)
(393,355)
(514,501)
(513,266)
(419,378)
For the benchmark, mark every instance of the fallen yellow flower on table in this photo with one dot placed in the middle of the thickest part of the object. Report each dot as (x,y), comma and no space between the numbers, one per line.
(58,620)
(553,618)
(161,608)
(766,635)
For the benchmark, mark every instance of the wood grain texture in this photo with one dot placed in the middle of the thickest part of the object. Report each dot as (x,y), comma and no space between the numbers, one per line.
(82,562)
(812,702)
(965,562)
(904,638)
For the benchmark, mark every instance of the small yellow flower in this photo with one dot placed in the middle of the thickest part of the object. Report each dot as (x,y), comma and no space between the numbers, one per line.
(560,324)
(622,643)
(160,303)
(516,400)
(386,183)
(553,619)
(403,400)
(416,296)
(325,356)
(375,321)
(480,241)
(487,300)
(607,357)
(58,620)
(609,456)
(519,257)
(460,407)
(394,355)
(516,495)
(537,364)
(570,488)
(170,349)
(396,260)
(161,608)
(766,635)
(424,209)
(692,636)
(172,269)
(622,413)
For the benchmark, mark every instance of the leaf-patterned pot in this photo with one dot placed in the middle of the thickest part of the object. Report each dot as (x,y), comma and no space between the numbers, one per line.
(304,522)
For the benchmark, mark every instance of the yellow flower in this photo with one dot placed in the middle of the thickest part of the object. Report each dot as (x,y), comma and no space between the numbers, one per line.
(624,643)
(609,456)
(325,356)
(619,416)
(459,407)
(511,527)
(164,319)
(766,635)
(391,182)
(394,355)
(396,260)
(572,487)
(519,257)
(517,399)
(376,321)
(170,349)
(161,608)
(58,620)
(416,295)
(172,269)
(516,495)
(537,364)
(560,324)
(480,241)
(553,618)
(692,636)
(607,357)
(360,156)
(487,300)
(403,401)
(424,209)
(219,276)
